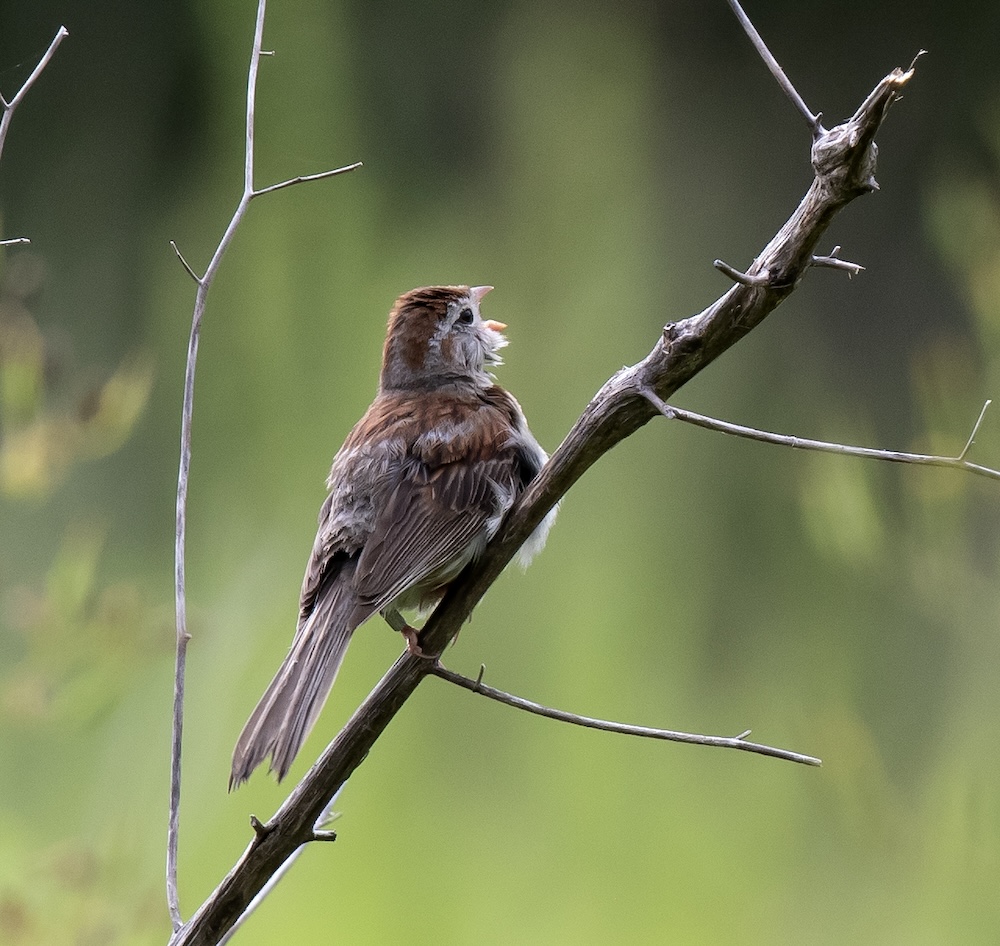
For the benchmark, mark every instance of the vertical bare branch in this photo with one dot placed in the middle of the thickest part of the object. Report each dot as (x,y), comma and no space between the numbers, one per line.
(187,410)
(204,284)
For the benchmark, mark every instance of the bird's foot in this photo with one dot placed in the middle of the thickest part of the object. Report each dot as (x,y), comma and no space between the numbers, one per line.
(412,636)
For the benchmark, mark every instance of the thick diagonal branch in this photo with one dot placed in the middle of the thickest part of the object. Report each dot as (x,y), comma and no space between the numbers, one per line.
(844,163)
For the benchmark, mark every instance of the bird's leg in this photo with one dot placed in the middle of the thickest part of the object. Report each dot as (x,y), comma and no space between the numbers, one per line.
(396,621)
(412,640)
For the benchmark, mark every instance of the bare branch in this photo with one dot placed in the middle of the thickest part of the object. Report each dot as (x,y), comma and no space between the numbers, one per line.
(9,107)
(15,241)
(802,443)
(779,74)
(670,735)
(173,900)
(204,285)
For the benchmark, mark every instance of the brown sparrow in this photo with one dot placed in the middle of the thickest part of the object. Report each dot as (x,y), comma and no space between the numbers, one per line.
(416,491)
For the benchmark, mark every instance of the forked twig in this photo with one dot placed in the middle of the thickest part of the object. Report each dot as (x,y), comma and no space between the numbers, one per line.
(204,283)
(589,722)
(9,107)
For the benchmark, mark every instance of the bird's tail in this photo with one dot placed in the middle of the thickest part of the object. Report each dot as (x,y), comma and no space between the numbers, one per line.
(286,712)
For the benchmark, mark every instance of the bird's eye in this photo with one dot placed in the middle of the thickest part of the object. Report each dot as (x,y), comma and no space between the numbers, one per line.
(466,316)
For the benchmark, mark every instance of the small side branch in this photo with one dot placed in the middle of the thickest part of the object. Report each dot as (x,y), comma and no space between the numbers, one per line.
(738,276)
(322,175)
(669,735)
(802,443)
(975,430)
(833,261)
(185,263)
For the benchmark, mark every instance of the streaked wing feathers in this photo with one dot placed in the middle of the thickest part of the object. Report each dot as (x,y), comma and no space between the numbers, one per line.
(432,520)
(448,495)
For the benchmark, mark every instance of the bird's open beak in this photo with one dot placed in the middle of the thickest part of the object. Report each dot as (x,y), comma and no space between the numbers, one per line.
(477,293)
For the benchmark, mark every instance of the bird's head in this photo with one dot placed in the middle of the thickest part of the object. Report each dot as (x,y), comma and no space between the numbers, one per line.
(437,337)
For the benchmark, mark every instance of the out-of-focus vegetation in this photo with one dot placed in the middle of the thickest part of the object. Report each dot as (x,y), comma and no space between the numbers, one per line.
(589,160)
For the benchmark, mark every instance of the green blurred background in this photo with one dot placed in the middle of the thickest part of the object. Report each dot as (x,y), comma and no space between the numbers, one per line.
(589,160)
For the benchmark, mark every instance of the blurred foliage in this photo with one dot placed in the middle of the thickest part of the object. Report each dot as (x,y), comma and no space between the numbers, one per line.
(589,160)
(44,430)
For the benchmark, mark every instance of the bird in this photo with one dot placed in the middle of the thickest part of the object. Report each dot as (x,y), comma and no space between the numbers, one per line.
(418,488)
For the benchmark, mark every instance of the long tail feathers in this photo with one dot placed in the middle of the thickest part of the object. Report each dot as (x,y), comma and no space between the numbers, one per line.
(282,719)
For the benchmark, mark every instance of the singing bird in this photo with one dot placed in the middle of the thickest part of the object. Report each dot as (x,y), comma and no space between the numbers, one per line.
(417,490)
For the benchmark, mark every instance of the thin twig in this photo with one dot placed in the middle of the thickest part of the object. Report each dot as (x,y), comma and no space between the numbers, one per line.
(306,178)
(204,285)
(184,262)
(975,430)
(812,120)
(9,107)
(15,241)
(670,735)
(801,443)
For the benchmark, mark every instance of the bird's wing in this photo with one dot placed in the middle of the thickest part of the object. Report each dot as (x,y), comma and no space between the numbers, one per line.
(434,522)
(452,488)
